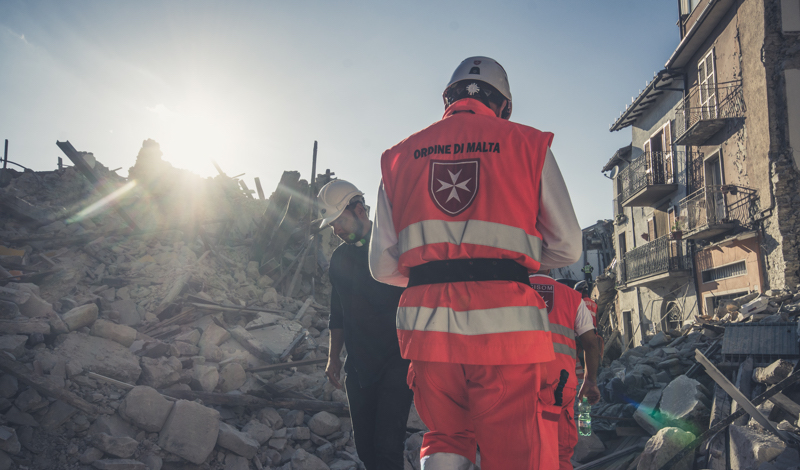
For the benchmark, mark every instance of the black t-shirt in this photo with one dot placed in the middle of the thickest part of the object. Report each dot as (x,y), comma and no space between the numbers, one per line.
(366,309)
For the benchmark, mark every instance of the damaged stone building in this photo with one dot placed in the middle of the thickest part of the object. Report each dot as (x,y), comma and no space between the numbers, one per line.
(706,195)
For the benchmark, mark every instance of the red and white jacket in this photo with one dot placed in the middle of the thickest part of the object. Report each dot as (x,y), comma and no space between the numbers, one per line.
(569,318)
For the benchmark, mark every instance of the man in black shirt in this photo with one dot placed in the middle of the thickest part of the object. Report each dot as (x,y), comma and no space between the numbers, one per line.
(363,318)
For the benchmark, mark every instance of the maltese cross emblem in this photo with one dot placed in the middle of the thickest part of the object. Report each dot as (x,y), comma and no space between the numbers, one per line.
(453,185)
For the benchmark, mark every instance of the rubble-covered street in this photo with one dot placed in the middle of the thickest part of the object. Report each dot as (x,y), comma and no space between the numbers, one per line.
(160,344)
(168,321)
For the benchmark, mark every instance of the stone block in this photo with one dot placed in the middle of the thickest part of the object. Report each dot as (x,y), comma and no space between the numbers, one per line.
(81,316)
(660,339)
(100,355)
(122,334)
(236,441)
(90,455)
(30,400)
(663,446)
(236,462)
(8,310)
(58,414)
(160,373)
(9,386)
(14,344)
(750,448)
(684,403)
(774,372)
(587,448)
(179,348)
(122,447)
(112,425)
(213,336)
(127,312)
(192,337)
(258,431)
(325,452)
(9,441)
(190,431)
(324,424)
(15,416)
(145,408)
(205,377)
(647,412)
(302,460)
(231,377)
(300,433)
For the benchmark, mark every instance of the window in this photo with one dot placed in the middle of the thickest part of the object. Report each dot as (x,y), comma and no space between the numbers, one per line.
(688,6)
(713,302)
(715,199)
(660,167)
(707,87)
(724,272)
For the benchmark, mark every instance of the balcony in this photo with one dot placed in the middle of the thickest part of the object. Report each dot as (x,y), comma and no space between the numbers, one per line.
(714,210)
(645,181)
(705,111)
(656,261)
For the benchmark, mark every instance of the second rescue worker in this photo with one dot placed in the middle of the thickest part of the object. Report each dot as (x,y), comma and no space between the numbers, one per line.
(463,230)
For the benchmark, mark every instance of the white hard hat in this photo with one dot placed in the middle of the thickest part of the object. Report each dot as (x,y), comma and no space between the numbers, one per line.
(334,197)
(483,69)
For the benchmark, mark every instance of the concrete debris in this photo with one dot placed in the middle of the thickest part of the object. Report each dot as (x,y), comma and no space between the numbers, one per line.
(750,447)
(145,408)
(234,440)
(190,432)
(773,373)
(663,446)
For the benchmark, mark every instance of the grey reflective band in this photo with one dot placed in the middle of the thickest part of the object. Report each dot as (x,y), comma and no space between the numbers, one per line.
(472,232)
(562,330)
(473,322)
(562,348)
(446,461)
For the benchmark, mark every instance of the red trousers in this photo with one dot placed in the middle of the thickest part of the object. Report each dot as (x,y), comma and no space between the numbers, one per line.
(567,430)
(502,408)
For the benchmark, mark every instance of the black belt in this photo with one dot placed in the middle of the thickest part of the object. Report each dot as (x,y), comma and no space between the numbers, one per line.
(468,270)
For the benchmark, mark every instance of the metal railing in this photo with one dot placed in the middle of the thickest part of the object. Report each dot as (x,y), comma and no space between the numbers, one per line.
(659,256)
(645,170)
(719,204)
(694,170)
(709,102)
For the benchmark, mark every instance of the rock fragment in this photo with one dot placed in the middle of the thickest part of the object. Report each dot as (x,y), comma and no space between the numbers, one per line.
(234,440)
(324,423)
(122,334)
(146,408)
(663,446)
(190,431)
(81,316)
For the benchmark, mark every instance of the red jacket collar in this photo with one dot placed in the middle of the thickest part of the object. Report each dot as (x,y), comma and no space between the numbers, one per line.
(467,105)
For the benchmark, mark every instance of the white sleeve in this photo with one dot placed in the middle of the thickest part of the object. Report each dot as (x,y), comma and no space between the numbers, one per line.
(562,241)
(383,250)
(583,322)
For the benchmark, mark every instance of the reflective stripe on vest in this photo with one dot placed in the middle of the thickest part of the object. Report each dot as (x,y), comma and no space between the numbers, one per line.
(561,348)
(473,232)
(472,322)
(563,331)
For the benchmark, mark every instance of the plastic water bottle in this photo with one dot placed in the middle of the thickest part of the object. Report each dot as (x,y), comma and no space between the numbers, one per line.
(584,418)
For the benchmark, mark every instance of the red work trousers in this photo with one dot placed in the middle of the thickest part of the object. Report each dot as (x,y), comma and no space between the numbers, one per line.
(567,430)
(502,408)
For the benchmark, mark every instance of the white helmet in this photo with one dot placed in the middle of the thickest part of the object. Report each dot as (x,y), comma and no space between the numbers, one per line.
(482,69)
(334,197)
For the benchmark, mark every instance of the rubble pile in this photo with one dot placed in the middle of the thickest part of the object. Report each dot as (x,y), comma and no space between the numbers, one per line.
(194,337)
(658,398)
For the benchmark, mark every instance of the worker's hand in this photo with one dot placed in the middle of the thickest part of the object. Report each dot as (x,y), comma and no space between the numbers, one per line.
(590,391)
(333,369)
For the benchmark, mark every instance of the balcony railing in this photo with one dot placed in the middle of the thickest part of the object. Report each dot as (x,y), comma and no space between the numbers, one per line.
(648,178)
(703,112)
(660,256)
(712,210)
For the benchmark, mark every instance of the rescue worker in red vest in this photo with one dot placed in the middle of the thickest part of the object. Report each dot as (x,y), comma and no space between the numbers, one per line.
(569,318)
(467,208)
(584,288)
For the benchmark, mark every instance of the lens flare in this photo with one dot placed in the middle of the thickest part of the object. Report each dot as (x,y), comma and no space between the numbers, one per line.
(105,201)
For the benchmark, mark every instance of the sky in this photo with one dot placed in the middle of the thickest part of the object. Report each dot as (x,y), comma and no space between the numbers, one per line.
(252,84)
